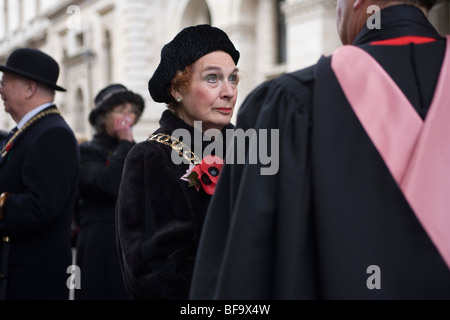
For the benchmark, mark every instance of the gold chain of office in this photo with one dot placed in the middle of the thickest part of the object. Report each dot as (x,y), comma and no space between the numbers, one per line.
(178,146)
(40,115)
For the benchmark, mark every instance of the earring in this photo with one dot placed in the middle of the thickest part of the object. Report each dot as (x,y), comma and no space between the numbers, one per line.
(179,100)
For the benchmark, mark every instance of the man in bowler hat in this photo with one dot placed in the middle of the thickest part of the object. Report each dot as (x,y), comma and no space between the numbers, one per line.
(39,166)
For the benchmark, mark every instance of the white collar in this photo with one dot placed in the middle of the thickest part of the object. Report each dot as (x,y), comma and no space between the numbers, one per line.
(32,113)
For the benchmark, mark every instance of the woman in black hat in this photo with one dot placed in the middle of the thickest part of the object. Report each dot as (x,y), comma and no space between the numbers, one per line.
(168,181)
(116,111)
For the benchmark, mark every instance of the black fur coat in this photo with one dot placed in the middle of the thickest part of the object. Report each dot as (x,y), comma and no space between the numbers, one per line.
(159,218)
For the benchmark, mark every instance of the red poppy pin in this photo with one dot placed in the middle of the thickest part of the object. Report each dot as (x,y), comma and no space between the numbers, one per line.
(206,174)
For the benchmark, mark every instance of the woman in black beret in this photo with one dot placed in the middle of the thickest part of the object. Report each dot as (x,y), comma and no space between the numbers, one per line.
(116,111)
(169,179)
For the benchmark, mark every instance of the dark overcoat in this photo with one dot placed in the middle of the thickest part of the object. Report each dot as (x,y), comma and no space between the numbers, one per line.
(102,161)
(41,174)
(159,217)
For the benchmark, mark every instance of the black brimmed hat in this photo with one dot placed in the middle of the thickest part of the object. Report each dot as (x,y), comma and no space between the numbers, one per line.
(35,65)
(112,96)
(189,45)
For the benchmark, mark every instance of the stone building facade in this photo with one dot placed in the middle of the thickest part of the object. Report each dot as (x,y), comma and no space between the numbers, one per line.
(98,42)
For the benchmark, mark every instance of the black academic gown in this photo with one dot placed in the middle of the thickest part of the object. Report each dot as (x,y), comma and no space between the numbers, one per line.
(332,222)
(41,174)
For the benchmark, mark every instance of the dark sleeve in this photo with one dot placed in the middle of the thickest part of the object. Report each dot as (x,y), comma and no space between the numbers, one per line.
(100,176)
(50,172)
(155,232)
(255,241)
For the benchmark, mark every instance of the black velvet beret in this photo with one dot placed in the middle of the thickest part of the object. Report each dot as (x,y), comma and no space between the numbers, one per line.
(189,45)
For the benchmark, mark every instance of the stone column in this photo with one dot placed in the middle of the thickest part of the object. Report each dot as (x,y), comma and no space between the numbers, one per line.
(311,31)
(243,37)
(134,50)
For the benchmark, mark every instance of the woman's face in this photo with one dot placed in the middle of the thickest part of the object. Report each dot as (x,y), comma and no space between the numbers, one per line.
(211,94)
(124,113)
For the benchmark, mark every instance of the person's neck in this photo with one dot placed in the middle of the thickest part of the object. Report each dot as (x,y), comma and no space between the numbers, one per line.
(360,21)
(28,109)
(397,21)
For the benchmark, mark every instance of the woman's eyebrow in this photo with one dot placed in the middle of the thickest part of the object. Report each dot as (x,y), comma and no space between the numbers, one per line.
(215,68)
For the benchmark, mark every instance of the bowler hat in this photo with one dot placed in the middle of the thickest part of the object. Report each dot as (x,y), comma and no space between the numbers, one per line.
(189,45)
(35,65)
(112,96)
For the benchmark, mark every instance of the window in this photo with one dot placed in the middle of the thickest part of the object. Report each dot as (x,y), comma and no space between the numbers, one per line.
(108,57)
(79,38)
(196,12)
(281,33)
(79,111)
